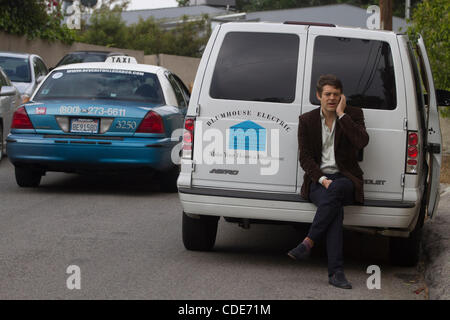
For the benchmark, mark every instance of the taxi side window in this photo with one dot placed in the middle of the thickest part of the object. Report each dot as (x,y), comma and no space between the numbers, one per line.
(42,67)
(178,93)
(39,68)
(365,68)
(183,88)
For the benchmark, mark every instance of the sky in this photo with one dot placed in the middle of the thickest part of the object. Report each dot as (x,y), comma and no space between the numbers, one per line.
(151,4)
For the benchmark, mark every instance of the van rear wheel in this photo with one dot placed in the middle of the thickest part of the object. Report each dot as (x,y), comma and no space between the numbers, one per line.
(199,233)
(404,252)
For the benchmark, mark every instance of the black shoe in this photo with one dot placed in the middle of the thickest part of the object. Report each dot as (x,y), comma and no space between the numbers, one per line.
(338,280)
(300,252)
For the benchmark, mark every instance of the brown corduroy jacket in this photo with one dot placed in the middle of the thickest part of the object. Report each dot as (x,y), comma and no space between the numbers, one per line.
(350,137)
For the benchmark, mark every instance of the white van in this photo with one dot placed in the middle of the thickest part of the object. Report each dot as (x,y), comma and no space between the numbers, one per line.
(240,149)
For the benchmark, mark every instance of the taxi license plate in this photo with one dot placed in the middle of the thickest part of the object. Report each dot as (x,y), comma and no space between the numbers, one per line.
(84,125)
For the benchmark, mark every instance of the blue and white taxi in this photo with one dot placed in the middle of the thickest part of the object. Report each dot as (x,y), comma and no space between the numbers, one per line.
(92,117)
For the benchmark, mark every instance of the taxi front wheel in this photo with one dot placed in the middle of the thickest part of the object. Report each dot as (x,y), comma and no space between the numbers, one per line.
(199,232)
(28,178)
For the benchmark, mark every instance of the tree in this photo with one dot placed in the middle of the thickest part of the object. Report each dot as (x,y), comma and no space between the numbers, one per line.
(431,19)
(106,28)
(31,18)
(146,35)
(189,37)
(183,3)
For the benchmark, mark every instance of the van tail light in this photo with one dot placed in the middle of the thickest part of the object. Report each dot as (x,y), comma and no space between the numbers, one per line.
(21,120)
(412,152)
(152,123)
(188,138)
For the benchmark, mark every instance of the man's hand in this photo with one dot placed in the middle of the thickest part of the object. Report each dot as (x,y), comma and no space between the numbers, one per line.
(326,183)
(341,106)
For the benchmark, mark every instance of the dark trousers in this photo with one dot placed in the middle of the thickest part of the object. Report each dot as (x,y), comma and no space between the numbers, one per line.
(330,216)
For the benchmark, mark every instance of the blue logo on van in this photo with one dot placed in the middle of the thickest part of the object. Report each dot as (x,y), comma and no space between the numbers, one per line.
(247,135)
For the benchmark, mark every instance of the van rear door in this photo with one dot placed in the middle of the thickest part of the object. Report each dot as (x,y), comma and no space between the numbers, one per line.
(369,66)
(434,143)
(245,134)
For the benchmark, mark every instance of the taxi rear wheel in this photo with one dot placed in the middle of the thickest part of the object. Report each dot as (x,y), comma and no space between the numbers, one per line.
(199,232)
(27,178)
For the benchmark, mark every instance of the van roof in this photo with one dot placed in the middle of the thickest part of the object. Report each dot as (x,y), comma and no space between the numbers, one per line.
(323,25)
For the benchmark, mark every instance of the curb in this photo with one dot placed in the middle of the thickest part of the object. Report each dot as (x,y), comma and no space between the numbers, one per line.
(435,249)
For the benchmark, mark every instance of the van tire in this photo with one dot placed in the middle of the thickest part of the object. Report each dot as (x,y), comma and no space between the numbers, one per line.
(199,233)
(27,178)
(405,252)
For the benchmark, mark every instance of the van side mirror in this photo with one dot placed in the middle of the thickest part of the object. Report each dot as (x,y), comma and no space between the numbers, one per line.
(443,98)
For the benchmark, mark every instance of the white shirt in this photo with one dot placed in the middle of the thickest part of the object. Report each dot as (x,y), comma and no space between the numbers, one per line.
(328,162)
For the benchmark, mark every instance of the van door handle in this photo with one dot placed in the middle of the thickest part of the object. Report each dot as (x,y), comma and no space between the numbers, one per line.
(434,148)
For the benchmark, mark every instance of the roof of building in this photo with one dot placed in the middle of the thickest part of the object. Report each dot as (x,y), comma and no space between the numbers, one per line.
(175,13)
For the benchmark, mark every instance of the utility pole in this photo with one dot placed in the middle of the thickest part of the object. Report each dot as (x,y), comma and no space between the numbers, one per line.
(386,14)
(407,9)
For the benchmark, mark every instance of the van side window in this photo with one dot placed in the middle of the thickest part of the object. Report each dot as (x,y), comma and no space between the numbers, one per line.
(365,68)
(255,66)
(418,86)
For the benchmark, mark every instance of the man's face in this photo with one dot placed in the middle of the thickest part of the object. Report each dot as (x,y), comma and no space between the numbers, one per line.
(330,98)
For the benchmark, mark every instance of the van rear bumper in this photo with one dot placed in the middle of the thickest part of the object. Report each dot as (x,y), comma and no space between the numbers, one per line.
(292,208)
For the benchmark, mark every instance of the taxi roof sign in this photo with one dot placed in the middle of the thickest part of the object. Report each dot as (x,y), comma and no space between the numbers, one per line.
(121,59)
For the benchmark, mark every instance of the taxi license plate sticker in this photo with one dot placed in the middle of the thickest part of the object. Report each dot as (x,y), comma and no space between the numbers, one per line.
(84,125)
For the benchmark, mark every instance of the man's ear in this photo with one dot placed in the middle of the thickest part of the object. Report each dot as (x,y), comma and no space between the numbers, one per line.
(319,96)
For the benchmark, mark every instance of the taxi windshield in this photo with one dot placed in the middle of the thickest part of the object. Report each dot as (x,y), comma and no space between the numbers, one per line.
(110,84)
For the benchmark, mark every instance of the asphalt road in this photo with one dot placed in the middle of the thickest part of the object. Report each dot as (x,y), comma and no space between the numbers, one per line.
(124,235)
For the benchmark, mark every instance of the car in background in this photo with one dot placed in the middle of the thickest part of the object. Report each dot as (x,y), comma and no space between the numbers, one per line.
(9,101)
(25,71)
(87,56)
(100,117)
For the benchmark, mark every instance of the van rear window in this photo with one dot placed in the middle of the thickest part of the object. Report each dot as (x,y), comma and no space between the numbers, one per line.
(255,66)
(365,68)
